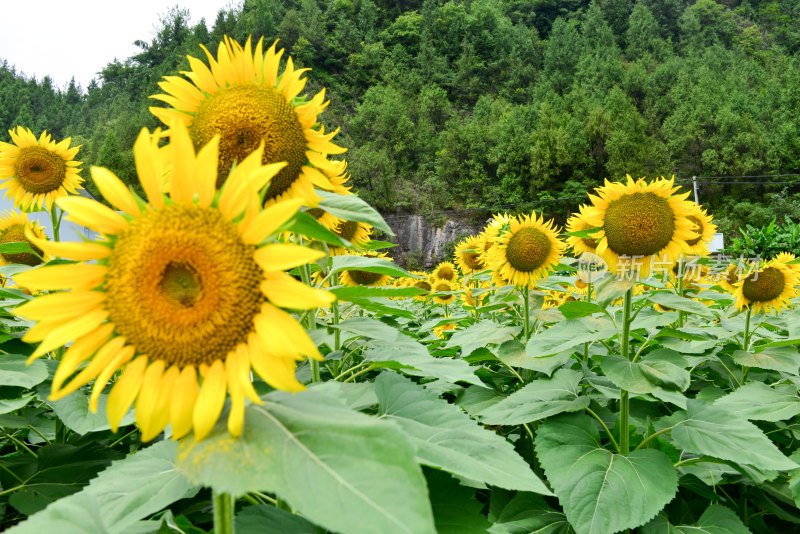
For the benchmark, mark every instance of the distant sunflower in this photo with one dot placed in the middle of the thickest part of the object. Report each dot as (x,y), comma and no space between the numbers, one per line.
(767,289)
(244,99)
(445,271)
(443,286)
(357,233)
(526,251)
(468,254)
(704,228)
(421,283)
(358,277)
(645,224)
(497,224)
(34,172)
(728,279)
(441,330)
(578,223)
(13,227)
(184,295)
(786,258)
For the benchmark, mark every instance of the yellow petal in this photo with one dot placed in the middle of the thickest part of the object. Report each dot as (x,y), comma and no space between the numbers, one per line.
(277,372)
(124,391)
(148,167)
(290,328)
(114,191)
(267,221)
(91,213)
(210,400)
(79,351)
(69,250)
(100,360)
(152,404)
(60,306)
(69,276)
(182,402)
(280,257)
(71,330)
(236,414)
(206,179)
(284,291)
(123,357)
(181,187)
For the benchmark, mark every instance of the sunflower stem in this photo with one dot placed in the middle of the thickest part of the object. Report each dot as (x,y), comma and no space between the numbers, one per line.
(746,340)
(527,315)
(56,220)
(624,400)
(337,335)
(310,319)
(223,513)
(680,291)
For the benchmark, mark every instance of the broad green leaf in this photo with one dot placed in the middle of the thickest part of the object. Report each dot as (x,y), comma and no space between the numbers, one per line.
(356,395)
(364,263)
(538,399)
(14,372)
(579,308)
(369,328)
(652,318)
(569,334)
(784,359)
(343,470)
(602,492)
(610,288)
(758,401)
(513,353)
(16,247)
(455,509)
(717,519)
(305,224)
(644,376)
(414,359)
(714,431)
(479,335)
(473,399)
(382,306)
(265,518)
(676,302)
(129,490)
(349,293)
(10,405)
(446,438)
(352,208)
(73,410)
(528,513)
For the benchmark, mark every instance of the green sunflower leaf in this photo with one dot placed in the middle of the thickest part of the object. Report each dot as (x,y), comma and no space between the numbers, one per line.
(446,438)
(602,492)
(538,400)
(757,401)
(363,263)
(784,359)
(528,513)
(569,334)
(715,431)
(14,371)
(352,208)
(717,519)
(129,490)
(573,310)
(455,509)
(480,335)
(305,224)
(676,302)
(267,518)
(644,376)
(341,469)
(348,293)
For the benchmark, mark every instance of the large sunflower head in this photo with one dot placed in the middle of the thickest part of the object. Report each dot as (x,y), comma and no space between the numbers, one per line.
(645,225)
(241,97)
(184,294)
(13,228)
(34,172)
(468,255)
(767,287)
(526,251)
(578,223)
(703,227)
(787,258)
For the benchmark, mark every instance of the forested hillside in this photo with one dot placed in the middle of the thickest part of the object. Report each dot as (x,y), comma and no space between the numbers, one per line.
(462,104)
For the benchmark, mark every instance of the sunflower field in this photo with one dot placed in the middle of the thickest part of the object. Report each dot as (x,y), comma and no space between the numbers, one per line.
(231,351)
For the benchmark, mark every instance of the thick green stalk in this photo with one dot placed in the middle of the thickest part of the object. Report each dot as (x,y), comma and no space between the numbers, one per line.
(311,320)
(337,335)
(680,290)
(223,513)
(624,400)
(56,222)
(746,340)
(527,314)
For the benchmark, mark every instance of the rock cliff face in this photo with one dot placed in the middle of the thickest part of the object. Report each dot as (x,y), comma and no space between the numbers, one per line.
(423,245)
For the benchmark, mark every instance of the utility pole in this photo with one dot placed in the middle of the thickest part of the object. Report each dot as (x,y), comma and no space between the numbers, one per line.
(694,184)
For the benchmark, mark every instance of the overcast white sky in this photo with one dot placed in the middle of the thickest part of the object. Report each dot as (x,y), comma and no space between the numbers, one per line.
(79,37)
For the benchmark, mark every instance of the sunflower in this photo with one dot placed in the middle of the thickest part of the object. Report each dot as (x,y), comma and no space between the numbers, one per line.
(767,289)
(497,224)
(728,279)
(787,258)
(244,99)
(703,227)
(526,251)
(468,254)
(644,224)
(421,283)
(475,294)
(357,277)
(13,228)
(439,331)
(357,233)
(35,172)
(444,286)
(183,294)
(577,223)
(445,271)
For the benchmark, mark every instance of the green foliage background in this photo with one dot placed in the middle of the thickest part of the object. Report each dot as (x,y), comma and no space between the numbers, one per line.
(472,103)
